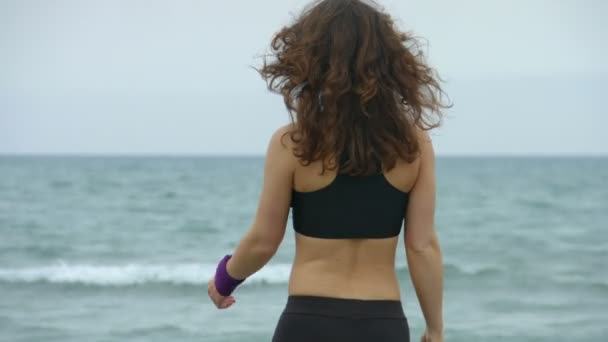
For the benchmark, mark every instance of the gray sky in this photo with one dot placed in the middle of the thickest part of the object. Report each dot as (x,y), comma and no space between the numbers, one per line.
(173,77)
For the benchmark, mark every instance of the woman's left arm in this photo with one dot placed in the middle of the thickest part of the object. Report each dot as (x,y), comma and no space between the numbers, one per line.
(262,240)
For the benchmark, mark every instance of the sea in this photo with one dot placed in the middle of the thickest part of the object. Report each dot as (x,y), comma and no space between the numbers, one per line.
(121,248)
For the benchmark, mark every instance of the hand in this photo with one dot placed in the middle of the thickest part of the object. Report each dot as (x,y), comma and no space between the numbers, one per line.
(220,301)
(431,336)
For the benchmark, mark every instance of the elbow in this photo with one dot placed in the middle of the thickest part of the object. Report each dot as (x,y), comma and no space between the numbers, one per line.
(423,247)
(263,243)
(264,251)
(263,247)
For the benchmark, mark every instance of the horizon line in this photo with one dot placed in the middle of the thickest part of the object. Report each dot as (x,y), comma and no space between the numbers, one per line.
(257,155)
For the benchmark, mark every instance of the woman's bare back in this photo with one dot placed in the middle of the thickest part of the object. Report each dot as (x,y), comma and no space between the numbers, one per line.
(346,268)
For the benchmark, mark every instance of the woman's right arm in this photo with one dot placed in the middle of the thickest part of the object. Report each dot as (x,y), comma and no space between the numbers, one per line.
(422,245)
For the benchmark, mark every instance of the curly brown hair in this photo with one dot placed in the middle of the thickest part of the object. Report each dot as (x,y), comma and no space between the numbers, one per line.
(356,84)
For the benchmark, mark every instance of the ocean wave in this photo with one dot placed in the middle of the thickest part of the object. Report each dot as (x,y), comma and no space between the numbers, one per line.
(470,270)
(462,271)
(168,329)
(176,274)
(133,274)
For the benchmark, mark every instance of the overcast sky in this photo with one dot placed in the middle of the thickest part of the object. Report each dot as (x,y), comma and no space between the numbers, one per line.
(174,77)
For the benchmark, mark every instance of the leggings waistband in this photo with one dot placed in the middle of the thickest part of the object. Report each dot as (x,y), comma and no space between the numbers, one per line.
(347,308)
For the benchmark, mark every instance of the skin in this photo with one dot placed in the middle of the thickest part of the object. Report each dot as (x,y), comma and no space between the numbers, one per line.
(344,268)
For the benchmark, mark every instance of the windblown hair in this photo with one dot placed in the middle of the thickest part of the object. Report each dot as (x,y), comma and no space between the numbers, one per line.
(355,83)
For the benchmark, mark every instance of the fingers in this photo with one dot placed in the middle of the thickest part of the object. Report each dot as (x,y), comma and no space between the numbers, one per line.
(226,302)
(220,301)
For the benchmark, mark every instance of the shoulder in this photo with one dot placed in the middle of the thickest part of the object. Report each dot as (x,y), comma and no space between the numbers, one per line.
(423,136)
(281,146)
(425,143)
(281,139)
(425,161)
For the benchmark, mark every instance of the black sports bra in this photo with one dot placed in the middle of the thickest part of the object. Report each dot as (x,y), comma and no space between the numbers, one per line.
(350,207)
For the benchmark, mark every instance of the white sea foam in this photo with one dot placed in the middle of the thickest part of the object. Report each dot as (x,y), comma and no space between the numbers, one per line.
(133,274)
(176,274)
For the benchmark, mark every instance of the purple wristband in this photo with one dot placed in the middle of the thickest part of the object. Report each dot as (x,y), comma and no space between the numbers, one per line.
(224,283)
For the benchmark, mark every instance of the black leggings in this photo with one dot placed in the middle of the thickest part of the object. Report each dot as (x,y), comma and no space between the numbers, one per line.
(321,319)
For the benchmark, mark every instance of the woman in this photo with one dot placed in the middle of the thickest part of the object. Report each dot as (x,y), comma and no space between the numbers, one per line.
(355,162)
